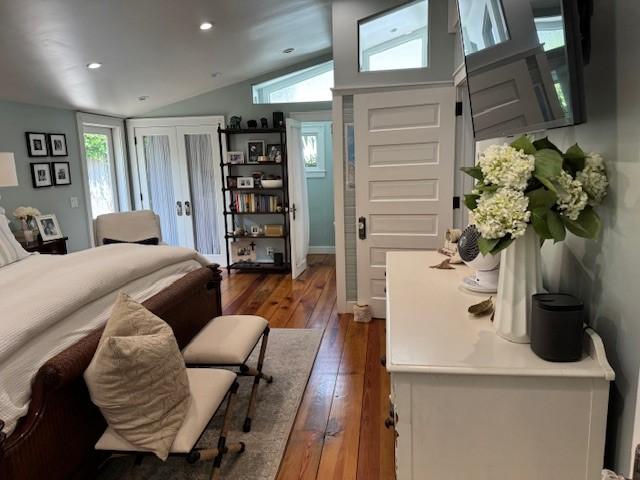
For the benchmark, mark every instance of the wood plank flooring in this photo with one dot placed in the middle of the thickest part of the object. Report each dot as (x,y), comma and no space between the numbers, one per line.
(339,432)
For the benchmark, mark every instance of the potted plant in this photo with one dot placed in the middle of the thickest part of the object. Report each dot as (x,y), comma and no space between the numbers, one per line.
(525,193)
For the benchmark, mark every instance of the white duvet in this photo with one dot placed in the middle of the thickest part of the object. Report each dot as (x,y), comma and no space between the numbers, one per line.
(49,302)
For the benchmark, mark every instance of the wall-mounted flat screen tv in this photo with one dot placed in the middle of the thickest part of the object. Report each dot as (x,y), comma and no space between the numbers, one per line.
(524,65)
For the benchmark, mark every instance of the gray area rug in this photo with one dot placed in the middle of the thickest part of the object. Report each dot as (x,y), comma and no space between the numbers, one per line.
(290,356)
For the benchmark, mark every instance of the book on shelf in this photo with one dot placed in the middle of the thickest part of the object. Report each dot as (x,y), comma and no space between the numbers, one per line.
(255,203)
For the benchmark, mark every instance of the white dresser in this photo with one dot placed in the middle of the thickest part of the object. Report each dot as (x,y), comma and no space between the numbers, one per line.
(472,406)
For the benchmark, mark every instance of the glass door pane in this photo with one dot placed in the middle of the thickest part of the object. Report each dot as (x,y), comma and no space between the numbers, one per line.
(100,170)
(205,210)
(160,182)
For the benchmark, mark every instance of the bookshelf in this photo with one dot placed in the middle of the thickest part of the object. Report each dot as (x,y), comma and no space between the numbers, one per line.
(254,205)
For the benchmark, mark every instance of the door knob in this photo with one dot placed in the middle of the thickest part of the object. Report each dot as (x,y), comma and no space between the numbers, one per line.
(179,208)
(187,208)
(362,228)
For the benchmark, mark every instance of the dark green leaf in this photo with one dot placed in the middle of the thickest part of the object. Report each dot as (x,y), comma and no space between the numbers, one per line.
(475,172)
(486,245)
(548,164)
(556,227)
(575,152)
(523,143)
(502,244)
(545,143)
(487,188)
(541,197)
(548,184)
(539,222)
(588,224)
(471,201)
(574,159)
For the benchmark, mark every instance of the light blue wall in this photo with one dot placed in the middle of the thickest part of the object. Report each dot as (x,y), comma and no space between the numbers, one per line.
(320,193)
(15,120)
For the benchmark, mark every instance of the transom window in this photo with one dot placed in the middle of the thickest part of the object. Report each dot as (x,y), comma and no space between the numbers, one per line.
(396,39)
(311,84)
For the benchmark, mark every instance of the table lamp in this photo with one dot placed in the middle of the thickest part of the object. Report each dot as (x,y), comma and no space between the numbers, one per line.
(8,176)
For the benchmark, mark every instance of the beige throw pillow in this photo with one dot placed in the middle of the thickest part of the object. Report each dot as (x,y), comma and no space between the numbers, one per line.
(138,378)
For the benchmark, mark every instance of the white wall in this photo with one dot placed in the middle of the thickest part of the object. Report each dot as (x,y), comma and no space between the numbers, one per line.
(346,14)
(605,272)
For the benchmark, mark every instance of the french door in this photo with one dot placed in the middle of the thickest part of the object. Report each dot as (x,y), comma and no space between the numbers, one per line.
(177,176)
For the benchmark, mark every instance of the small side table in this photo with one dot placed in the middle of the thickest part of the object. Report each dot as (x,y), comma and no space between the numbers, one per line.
(50,247)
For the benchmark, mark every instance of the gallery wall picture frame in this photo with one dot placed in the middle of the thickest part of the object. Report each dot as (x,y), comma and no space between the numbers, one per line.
(255,149)
(61,173)
(58,145)
(274,151)
(49,227)
(37,144)
(41,175)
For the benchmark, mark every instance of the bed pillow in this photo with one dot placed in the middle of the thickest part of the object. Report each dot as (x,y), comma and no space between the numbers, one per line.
(138,378)
(10,249)
(146,241)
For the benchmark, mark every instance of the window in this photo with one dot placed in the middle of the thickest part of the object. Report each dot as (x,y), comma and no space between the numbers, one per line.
(480,35)
(313,149)
(311,84)
(103,192)
(396,39)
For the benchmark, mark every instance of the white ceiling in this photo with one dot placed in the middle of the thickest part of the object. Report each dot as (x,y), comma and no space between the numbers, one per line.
(148,47)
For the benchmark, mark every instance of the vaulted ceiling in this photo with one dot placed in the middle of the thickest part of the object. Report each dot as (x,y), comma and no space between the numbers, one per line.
(148,48)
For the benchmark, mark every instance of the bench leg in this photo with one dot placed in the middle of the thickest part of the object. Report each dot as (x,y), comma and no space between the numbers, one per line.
(257,374)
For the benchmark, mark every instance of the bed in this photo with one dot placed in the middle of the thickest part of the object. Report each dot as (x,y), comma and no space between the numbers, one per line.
(52,310)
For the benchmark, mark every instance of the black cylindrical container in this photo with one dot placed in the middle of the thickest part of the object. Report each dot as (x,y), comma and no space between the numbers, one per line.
(278,258)
(557,327)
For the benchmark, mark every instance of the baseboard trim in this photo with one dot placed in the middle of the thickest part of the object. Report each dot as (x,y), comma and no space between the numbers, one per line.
(326,250)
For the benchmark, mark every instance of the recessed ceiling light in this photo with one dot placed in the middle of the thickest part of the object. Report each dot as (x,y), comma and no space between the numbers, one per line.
(288,50)
(93,65)
(206,26)
(142,98)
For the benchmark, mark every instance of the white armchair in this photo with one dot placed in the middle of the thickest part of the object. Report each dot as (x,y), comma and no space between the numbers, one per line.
(127,226)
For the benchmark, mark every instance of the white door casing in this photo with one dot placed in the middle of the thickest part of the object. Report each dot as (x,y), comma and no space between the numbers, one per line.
(298,203)
(404,146)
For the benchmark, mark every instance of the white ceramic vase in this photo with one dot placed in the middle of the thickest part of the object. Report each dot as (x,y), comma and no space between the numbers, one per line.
(520,278)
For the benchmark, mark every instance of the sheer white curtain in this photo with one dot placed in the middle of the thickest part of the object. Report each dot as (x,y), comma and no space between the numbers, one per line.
(202,172)
(160,180)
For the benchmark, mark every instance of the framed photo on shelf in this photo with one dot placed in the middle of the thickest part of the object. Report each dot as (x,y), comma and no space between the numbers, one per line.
(49,227)
(61,173)
(235,158)
(41,175)
(255,148)
(243,251)
(37,144)
(255,230)
(245,182)
(58,144)
(232,182)
(275,153)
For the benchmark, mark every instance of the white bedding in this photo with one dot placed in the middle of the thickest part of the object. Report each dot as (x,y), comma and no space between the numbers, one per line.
(49,302)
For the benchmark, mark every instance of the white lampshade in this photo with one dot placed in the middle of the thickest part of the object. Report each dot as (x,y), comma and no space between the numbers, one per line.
(8,176)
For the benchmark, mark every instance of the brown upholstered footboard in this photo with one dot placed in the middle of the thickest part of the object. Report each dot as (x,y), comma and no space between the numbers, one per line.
(55,439)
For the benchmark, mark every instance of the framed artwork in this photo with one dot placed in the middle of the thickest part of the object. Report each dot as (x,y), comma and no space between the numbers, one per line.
(37,144)
(49,227)
(58,144)
(235,158)
(275,153)
(245,182)
(41,175)
(61,173)
(232,182)
(255,149)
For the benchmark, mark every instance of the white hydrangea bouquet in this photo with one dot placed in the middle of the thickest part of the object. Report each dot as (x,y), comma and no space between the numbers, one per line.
(535,183)
(26,214)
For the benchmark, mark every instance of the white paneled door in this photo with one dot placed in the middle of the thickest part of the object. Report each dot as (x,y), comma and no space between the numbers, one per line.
(404,146)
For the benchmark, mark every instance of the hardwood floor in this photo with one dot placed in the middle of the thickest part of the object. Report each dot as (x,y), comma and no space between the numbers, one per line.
(339,431)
